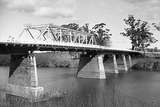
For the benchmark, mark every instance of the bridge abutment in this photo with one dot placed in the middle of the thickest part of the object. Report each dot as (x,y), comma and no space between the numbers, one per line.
(23,78)
(91,66)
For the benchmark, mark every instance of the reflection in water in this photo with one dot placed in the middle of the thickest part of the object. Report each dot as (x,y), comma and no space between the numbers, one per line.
(125,90)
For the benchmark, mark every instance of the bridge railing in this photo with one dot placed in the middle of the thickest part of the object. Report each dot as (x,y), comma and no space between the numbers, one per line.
(51,33)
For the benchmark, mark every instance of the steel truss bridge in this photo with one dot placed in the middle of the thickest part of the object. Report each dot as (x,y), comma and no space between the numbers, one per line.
(50,37)
(23,77)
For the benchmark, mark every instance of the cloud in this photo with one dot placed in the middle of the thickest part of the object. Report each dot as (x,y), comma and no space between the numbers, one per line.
(54,13)
(140,1)
(46,8)
(148,9)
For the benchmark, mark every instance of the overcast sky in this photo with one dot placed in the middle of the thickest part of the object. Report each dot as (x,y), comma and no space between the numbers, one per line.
(15,13)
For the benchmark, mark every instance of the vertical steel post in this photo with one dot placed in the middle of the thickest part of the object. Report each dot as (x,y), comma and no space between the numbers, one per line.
(79,38)
(60,34)
(86,39)
(70,37)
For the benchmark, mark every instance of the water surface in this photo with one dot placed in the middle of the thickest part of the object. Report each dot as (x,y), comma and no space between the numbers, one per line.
(132,89)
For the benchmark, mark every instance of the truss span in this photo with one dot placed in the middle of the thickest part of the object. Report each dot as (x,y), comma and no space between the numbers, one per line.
(49,33)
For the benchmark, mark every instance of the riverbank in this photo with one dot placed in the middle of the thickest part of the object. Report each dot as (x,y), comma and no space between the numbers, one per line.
(147,64)
(49,59)
(56,59)
(69,60)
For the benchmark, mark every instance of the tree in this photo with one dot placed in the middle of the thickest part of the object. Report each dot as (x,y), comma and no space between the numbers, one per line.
(101,34)
(138,32)
(157,26)
(99,31)
(73,26)
(85,28)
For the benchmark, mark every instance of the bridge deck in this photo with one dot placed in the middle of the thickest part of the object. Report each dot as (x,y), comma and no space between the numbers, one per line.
(49,37)
(10,47)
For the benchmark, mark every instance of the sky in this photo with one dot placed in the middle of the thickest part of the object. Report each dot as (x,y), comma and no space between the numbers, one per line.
(14,14)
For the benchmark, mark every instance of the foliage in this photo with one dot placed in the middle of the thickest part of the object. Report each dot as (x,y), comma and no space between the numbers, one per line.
(157,26)
(99,31)
(73,26)
(138,32)
(85,28)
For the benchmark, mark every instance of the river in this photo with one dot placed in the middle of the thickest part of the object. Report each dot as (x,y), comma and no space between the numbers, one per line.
(132,89)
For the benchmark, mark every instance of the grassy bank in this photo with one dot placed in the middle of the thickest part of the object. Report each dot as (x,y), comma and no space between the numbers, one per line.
(147,64)
(56,59)
(66,59)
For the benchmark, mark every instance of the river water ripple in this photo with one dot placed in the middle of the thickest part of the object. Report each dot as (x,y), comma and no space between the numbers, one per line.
(132,89)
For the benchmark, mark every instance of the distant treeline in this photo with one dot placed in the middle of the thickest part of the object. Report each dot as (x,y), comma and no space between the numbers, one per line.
(67,59)
(50,59)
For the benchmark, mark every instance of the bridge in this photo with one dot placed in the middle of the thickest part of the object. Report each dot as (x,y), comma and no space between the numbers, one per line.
(23,78)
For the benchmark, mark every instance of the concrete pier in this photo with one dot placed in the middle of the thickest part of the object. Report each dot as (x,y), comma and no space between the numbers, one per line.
(115,64)
(23,78)
(124,62)
(130,61)
(91,66)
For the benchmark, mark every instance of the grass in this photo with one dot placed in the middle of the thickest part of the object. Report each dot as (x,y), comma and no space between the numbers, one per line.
(147,64)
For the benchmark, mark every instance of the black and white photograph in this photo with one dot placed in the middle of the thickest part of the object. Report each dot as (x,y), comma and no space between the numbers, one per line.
(79,53)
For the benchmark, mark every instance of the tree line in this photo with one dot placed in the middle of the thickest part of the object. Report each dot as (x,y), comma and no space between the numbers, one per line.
(137,31)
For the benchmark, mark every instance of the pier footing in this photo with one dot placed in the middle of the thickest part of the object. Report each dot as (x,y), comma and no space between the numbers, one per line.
(23,78)
(91,66)
(30,93)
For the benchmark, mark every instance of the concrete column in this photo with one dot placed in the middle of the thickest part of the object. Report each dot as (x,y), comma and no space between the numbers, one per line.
(91,67)
(125,63)
(115,64)
(101,67)
(130,61)
(23,78)
(34,75)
